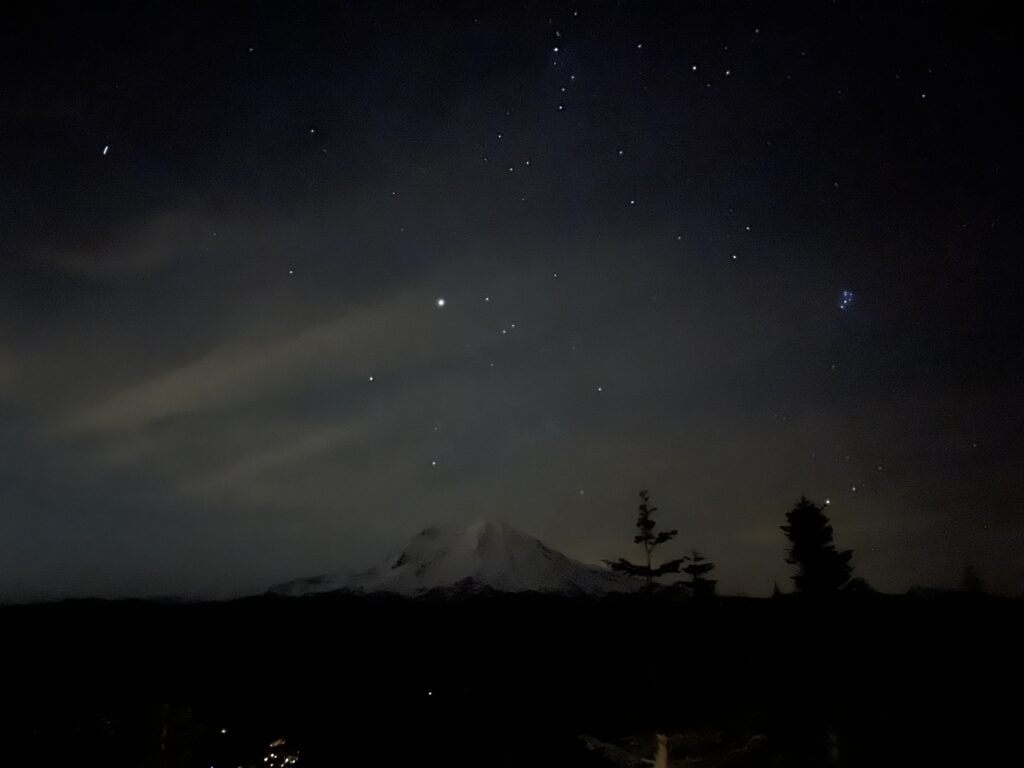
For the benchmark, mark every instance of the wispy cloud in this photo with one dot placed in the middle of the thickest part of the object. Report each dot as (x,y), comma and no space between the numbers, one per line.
(248,469)
(236,372)
(151,244)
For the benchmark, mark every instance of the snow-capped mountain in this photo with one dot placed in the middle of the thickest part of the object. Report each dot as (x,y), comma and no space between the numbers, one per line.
(477,556)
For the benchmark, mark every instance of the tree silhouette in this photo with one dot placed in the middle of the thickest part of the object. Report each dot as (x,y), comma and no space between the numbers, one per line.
(650,541)
(971,582)
(696,569)
(821,569)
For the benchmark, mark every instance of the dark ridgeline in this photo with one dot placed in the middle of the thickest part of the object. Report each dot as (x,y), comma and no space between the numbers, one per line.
(496,679)
(506,679)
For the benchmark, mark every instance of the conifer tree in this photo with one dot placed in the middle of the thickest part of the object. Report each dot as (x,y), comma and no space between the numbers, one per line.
(821,569)
(697,567)
(650,541)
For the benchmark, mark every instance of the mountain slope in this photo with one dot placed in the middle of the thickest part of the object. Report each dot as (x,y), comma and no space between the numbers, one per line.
(480,555)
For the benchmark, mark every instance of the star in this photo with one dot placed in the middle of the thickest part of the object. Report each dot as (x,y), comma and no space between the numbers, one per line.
(845,299)
(106,149)
(440,302)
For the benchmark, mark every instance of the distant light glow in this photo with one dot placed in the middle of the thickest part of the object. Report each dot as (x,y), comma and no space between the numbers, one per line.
(440,302)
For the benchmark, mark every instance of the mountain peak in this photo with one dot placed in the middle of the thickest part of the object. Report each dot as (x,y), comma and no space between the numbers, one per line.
(481,554)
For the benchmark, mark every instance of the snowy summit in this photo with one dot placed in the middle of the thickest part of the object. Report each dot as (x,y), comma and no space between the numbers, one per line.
(478,556)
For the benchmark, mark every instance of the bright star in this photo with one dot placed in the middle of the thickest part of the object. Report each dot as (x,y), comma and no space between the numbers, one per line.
(440,302)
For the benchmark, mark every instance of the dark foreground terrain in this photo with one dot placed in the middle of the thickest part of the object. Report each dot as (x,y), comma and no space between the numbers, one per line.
(503,680)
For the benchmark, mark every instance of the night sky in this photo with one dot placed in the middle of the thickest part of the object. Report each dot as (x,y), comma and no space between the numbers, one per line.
(281,284)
